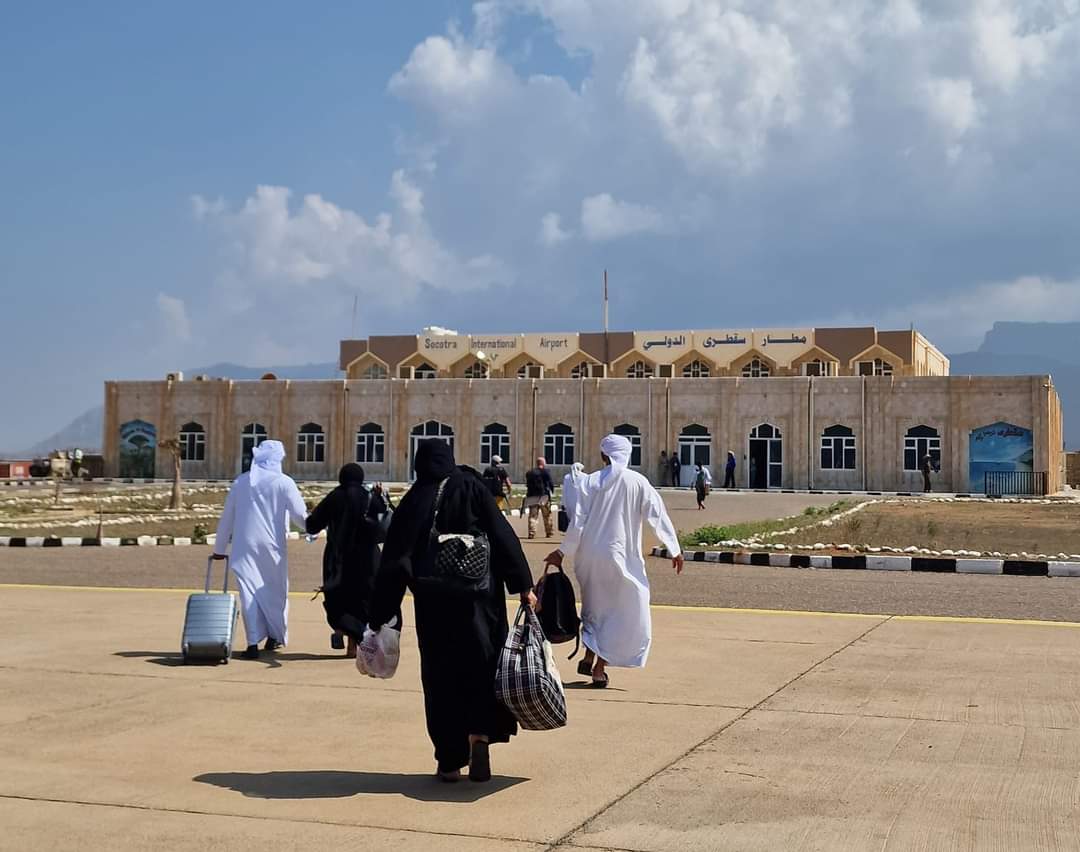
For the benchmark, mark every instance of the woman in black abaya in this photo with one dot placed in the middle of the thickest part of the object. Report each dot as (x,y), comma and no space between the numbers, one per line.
(350,515)
(460,637)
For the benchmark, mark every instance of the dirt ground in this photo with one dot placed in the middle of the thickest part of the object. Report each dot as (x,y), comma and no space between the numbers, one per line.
(986,527)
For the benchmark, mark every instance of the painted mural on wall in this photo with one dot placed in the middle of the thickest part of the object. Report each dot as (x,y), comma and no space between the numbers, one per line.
(998,447)
(138,445)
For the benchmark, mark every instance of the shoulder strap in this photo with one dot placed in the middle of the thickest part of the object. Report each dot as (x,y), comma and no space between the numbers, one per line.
(438,504)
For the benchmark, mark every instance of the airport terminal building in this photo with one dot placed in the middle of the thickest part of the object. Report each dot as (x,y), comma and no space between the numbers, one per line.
(848,408)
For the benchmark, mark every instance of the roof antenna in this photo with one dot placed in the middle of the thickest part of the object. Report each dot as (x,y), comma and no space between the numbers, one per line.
(352,329)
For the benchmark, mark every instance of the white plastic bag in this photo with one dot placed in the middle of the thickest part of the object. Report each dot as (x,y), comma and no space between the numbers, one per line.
(378,654)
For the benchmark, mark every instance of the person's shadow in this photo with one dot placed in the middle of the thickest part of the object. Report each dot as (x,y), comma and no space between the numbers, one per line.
(338,784)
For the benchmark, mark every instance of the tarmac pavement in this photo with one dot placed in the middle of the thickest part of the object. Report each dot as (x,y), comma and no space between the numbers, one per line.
(747,730)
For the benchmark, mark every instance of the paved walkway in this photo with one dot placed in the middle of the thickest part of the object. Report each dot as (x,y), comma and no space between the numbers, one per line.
(748,730)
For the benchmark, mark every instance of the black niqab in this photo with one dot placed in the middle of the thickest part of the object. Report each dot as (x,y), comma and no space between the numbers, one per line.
(460,638)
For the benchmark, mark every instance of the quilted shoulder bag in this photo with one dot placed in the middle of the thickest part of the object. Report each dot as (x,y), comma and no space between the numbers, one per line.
(458,563)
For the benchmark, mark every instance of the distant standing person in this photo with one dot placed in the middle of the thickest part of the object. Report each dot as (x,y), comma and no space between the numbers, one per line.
(350,514)
(76,462)
(926,467)
(729,470)
(538,490)
(702,481)
(498,482)
(676,470)
(254,524)
(664,470)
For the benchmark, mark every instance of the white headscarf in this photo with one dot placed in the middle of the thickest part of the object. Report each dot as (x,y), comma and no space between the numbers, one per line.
(618,449)
(266,460)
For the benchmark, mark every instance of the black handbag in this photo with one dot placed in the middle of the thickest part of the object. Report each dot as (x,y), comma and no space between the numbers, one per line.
(456,563)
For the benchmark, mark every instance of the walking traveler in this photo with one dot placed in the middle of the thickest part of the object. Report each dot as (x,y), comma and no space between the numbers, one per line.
(461,630)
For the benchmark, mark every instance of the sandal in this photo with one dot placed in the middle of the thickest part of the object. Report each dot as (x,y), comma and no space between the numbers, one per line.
(600,684)
(584,668)
(337,642)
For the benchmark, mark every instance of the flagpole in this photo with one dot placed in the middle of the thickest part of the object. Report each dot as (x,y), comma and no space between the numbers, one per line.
(607,353)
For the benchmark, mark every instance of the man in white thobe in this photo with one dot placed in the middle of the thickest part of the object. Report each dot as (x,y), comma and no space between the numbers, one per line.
(604,540)
(255,522)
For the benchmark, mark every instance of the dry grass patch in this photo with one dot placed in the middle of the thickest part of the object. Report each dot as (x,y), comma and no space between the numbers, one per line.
(978,526)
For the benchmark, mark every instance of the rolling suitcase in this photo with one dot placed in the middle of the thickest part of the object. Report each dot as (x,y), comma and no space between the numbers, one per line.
(210,622)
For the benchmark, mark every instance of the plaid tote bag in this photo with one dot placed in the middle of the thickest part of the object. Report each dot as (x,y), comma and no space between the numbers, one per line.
(527,680)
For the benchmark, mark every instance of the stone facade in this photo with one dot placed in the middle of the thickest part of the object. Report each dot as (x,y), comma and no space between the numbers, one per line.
(719,413)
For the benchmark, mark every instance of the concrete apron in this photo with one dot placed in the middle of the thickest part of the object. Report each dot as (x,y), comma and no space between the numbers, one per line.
(746,730)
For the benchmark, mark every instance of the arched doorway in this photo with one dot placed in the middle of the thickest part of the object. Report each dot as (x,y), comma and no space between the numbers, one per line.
(430,429)
(695,447)
(766,457)
(250,437)
(138,446)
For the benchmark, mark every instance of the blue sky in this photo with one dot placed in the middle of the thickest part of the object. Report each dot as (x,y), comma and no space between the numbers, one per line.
(191,183)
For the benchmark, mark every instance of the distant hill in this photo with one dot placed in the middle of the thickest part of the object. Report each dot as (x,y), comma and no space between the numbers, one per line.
(1055,341)
(86,430)
(1032,348)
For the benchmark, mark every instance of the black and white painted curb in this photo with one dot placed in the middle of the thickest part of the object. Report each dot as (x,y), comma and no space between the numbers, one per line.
(872,562)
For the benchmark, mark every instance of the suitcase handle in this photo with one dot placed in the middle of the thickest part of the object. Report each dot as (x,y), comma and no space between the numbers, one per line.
(210,567)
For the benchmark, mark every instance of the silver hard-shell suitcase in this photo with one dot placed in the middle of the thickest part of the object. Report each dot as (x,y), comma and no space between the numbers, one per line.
(210,622)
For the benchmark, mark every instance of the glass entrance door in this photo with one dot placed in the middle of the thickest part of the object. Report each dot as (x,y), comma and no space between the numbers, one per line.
(766,457)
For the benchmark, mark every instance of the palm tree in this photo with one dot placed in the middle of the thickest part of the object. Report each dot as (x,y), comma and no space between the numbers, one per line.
(173,446)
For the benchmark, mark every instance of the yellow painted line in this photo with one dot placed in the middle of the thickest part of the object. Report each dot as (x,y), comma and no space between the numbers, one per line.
(958,619)
(746,611)
(722,610)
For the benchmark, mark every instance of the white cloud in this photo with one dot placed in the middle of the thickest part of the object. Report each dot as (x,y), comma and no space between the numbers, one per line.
(270,244)
(551,230)
(605,218)
(802,153)
(174,318)
(453,77)
(952,103)
(717,83)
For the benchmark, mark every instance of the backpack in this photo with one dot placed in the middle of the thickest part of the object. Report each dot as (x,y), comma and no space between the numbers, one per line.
(557,609)
(493,482)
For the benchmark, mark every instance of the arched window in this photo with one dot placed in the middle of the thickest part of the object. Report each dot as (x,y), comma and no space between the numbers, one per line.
(696,369)
(634,435)
(920,442)
(494,441)
(477,370)
(375,371)
(310,444)
(559,444)
(192,442)
(877,367)
(639,370)
(370,444)
(425,371)
(581,371)
(817,367)
(250,437)
(425,431)
(523,370)
(837,448)
(755,369)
